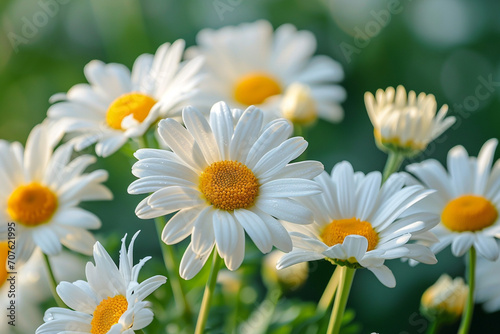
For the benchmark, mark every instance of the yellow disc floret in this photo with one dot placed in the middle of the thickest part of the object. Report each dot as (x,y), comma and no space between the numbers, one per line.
(107,314)
(229,185)
(136,104)
(255,88)
(32,204)
(469,213)
(335,232)
(4,250)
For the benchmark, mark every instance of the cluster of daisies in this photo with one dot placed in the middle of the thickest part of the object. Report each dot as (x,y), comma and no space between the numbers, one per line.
(215,154)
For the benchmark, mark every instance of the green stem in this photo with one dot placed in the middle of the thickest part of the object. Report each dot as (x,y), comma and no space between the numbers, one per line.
(207,295)
(394,161)
(469,308)
(434,327)
(170,264)
(139,331)
(346,278)
(327,297)
(53,282)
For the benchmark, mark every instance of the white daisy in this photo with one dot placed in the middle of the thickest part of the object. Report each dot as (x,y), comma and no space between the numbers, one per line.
(467,200)
(226,177)
(405,123)
(358,223)
(41,190)
(119,104)
(250,65)
(487,287)
(111,301)
(31,288)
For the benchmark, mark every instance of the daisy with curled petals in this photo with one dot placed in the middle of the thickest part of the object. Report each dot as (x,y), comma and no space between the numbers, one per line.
(225,176)
(467,200)
(251,65)
(40,192)
(359,224)
(119,104)
(110,301)
(405,123)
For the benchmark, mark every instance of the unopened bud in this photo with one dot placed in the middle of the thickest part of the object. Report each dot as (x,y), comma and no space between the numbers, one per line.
(298,106)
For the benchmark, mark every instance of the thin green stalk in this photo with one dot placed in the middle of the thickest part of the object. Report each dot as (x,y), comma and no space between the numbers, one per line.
(53,282)
(139,331)
(469,308)
(207,295)
(434,327)
(394,161)
(327,297)
(172,271)
(346,278)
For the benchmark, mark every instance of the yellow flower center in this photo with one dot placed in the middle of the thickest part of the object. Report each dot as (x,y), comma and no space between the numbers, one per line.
(335,232)
(31,204)
(229,185)
(469,213)
(255,88)
(136,104)
(107,314)
(4,251)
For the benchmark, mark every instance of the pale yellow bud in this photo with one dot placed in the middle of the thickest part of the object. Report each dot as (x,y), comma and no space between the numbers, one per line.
(290,278)
(298,105)
(445,298)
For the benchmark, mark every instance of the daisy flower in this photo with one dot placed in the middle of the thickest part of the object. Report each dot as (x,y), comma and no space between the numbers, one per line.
(487,288)
(119,104)
(405,123)
(31,288)
(225,177)
(251,65)
(359,224)
(111,301)
(467,200)
(41,190)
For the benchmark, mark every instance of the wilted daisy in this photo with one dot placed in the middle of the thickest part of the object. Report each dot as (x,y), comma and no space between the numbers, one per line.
(487,287)
(251,65)
(119,104)
(225,177)
(359,224)
(405,123)
(111,301)
(41,190)
(467,200)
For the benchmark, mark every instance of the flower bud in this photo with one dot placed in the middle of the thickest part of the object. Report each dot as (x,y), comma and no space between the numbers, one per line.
(298,106)
(445,299)
(290,278)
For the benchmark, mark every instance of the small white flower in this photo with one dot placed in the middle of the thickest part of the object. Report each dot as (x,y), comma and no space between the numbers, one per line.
(405,123)
(111,301)
(487,287)
(467,200)
(31,288)
(358,223)
(119,104)
(225,177)
(40,193)
(251,65)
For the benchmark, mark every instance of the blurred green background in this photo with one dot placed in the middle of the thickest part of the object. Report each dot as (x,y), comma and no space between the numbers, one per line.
(449,48)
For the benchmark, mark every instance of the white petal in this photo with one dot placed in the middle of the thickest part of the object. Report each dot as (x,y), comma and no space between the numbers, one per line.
(384,275)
